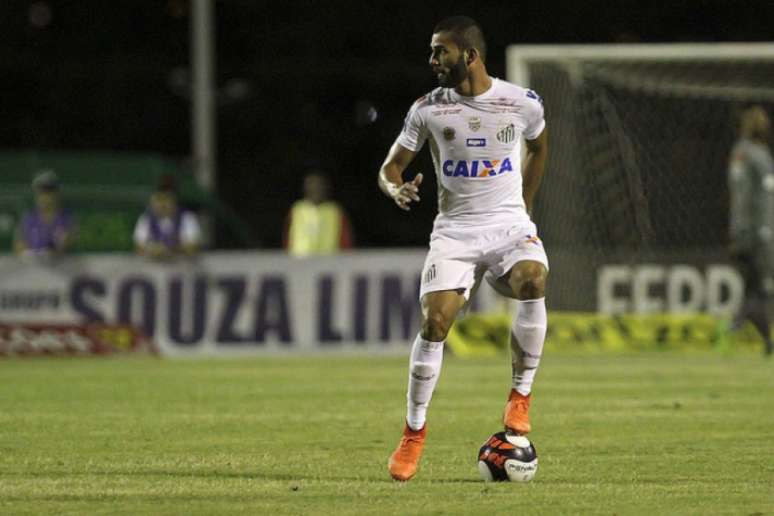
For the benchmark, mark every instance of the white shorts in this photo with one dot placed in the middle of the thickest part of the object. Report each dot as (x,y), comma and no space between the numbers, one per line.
(458,259)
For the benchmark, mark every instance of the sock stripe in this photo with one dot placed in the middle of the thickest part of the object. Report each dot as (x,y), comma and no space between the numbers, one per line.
(529,326)
(527,354)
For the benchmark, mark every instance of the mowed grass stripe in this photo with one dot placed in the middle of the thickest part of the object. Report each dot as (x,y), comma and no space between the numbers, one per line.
(648,433)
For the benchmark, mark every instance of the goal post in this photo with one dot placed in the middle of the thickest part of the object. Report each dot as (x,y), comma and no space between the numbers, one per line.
(639,141)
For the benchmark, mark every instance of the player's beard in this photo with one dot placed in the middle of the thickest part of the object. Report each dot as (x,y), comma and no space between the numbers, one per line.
(457,73)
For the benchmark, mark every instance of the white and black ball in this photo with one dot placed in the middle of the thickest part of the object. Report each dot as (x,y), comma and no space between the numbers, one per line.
(507,457)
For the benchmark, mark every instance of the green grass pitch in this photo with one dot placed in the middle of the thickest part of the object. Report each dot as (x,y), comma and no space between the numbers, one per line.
(651,433)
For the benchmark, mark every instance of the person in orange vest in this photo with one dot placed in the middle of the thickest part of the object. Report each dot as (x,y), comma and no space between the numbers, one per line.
(317,225)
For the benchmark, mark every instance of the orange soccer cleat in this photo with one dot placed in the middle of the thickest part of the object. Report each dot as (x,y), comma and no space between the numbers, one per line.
(516,417)
(404,460)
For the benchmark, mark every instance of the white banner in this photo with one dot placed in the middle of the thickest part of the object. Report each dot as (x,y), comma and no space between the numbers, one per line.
(233,302)
(652,288)
(229,302)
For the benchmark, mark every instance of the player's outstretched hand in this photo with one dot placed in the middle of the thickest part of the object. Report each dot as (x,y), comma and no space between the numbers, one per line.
(407,192)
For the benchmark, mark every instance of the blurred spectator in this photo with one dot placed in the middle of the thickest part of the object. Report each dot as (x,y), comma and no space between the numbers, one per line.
(317,225)
(165,230)
(48,229)
(751,185)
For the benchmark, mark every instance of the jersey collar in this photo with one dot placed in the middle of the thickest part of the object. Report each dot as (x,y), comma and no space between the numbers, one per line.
(488,93)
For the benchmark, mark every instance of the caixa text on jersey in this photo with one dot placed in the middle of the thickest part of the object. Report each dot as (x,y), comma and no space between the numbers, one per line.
(476,168)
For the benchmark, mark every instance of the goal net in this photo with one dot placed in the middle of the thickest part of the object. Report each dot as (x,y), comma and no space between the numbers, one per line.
(639,143)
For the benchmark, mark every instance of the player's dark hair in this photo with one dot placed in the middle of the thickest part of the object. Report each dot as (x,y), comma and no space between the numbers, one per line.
(466,33)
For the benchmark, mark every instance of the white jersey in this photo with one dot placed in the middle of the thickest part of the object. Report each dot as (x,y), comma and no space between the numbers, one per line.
(475,143)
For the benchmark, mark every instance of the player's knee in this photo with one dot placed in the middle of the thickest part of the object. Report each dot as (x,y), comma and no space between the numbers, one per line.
(529,281)
(532,288)
(435,326)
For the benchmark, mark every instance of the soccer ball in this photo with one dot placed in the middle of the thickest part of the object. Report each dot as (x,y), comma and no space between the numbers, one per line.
(507,456)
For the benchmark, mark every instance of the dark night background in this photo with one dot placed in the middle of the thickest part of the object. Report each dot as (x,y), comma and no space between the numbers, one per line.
(111,76)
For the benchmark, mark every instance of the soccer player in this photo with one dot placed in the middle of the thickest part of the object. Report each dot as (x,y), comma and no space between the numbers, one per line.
(474,125)
(751,185)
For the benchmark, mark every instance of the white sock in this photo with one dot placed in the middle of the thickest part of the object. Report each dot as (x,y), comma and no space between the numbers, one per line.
(424,369)
(528,333)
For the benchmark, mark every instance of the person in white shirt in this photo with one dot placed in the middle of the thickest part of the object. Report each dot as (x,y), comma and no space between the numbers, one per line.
(165,230)
(474,125)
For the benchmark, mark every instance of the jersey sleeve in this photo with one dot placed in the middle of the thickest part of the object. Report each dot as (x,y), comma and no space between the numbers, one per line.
(142,230)
(535,116)
(190,231)
(414,131)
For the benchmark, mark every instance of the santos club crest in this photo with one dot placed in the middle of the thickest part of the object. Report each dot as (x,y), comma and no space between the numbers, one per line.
(507,134)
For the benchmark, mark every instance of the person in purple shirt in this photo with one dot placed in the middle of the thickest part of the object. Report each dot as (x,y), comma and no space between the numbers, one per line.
(165,230)
(48,230)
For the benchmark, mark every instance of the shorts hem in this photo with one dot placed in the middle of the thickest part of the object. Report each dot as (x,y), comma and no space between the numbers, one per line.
(540,259)
(441,288)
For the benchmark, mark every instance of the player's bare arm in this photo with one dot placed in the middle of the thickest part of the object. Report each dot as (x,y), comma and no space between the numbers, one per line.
(533,167)
(391,177)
